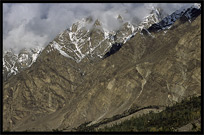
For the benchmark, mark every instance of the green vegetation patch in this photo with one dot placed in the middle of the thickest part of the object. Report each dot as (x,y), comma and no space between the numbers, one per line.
(169,119)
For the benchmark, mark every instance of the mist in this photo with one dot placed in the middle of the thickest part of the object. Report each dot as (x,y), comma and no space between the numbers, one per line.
(32,25)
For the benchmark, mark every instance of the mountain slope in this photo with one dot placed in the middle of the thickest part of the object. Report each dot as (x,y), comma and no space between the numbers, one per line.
(57,92)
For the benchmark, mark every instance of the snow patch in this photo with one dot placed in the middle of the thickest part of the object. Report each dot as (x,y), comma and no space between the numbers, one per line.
(23,58)
(59,48)
(35,56)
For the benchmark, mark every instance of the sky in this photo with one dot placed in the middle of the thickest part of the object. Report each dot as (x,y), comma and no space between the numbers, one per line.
(37,24)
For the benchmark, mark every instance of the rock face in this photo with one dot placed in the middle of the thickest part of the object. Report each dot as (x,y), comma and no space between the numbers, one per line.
(81,43)
(66,87)
(15,63)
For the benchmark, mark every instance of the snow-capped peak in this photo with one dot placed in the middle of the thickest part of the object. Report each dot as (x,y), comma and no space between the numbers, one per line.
(155,16)
(13,63)
(188,12)
(89,38)
(197,5)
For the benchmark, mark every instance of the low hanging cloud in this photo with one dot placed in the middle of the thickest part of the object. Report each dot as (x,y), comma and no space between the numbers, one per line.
(32,25)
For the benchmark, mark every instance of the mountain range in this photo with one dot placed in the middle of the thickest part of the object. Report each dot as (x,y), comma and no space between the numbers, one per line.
(88,73)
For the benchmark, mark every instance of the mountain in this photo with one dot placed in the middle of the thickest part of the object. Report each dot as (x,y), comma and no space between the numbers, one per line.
(85,45)
(155,16)
(186,14)
(71,82)
(15,63)
(81,40)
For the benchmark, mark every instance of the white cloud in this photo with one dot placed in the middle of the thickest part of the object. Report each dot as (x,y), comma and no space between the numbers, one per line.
(30,25)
